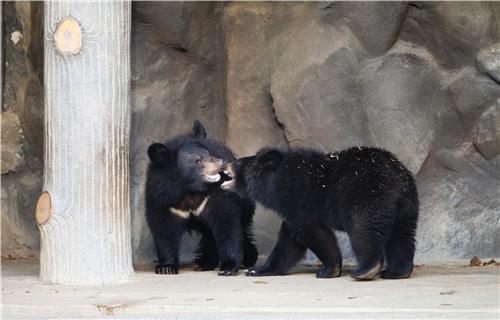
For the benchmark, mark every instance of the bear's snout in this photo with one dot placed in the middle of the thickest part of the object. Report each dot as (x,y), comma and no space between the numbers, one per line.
(213,165)
(211,168)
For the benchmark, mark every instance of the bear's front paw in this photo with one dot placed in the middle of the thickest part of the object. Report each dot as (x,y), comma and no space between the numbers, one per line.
(262,271)
(166,269)
(230,272)
(329,272)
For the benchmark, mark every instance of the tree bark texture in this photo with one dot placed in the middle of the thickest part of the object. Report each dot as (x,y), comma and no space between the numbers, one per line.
(87,122)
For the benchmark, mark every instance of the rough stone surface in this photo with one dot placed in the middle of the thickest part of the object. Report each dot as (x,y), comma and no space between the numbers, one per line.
(376,24)
(487,133)
(403,121)
(20,236)
(472,92)
(314,87)
(488,61)
(150,20)
(12,143)
(249,111)
(22,126)
(325,99)
(419,78)
(460,203)
(454,32)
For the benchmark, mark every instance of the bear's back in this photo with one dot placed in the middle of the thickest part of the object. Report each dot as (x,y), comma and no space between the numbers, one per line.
(338,181)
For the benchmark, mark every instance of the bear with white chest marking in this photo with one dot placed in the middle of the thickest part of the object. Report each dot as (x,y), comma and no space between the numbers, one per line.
(183,194)
(363,191)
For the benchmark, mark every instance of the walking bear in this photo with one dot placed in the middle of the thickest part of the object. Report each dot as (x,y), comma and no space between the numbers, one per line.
(183,194)
(364,191)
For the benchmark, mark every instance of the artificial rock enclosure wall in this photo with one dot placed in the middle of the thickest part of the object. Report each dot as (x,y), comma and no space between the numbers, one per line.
(420,79)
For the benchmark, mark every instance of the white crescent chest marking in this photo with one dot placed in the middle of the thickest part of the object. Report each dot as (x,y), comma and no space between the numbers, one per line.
(186,213)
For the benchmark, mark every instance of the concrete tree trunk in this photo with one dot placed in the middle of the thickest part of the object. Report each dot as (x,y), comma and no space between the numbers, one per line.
(84,216)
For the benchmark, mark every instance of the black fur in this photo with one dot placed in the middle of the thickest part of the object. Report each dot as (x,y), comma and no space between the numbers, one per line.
(364,191)
(176,178)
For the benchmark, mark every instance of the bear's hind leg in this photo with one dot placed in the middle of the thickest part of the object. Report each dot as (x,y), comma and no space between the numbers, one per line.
(323,243)
(206,253)
(369,257)
(227,232)
(368,245)
(250,252)
(286,253)
(399,251)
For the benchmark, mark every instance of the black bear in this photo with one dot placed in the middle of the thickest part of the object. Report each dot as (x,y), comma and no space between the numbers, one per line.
(183,194)
(364,191)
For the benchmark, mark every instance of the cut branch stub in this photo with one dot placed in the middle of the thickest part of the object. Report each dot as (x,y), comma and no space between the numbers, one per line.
(43,209)
(68,36)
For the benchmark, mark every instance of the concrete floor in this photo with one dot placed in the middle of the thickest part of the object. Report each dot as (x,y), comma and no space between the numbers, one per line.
(444,291)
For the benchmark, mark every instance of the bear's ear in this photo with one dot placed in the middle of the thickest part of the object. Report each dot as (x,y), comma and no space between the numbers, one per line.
(159,154)
(269,159)
(198,130)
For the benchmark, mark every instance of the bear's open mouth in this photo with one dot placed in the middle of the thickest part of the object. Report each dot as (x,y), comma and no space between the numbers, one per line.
(228,180)
(212,177)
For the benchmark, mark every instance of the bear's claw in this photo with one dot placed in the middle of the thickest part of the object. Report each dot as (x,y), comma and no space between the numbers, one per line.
(166,269)
(227,273)
(329,272)
(259,272)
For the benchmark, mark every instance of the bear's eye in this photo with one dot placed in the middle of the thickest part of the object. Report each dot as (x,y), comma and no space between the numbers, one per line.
(197,161)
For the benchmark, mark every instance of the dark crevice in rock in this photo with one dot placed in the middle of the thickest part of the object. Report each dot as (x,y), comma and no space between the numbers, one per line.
(400,27)
(479,152)
(425,164)
(416,5)
(446,166)
(328,6)
(281,126)
(178,48)
(490,76)
(35,51)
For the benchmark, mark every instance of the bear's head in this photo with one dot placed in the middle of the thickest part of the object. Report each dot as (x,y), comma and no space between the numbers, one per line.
(255,176)
(189,160)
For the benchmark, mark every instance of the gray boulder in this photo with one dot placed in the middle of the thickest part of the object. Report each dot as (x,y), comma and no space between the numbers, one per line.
(453,31)
(314,87)
(460,201)
(487,132)
(488,61)
(319,107)
(403,121)
(376,24)
(472,92)
(251,122)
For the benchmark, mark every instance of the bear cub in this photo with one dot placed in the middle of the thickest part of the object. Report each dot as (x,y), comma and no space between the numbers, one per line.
(183,194)
(363,191)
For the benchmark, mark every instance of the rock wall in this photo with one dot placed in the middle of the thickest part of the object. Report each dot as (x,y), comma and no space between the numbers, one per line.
(22,126)
(421,79)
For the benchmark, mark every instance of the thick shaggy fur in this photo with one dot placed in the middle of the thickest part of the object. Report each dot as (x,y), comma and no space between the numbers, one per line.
(177,186)
(364,191)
